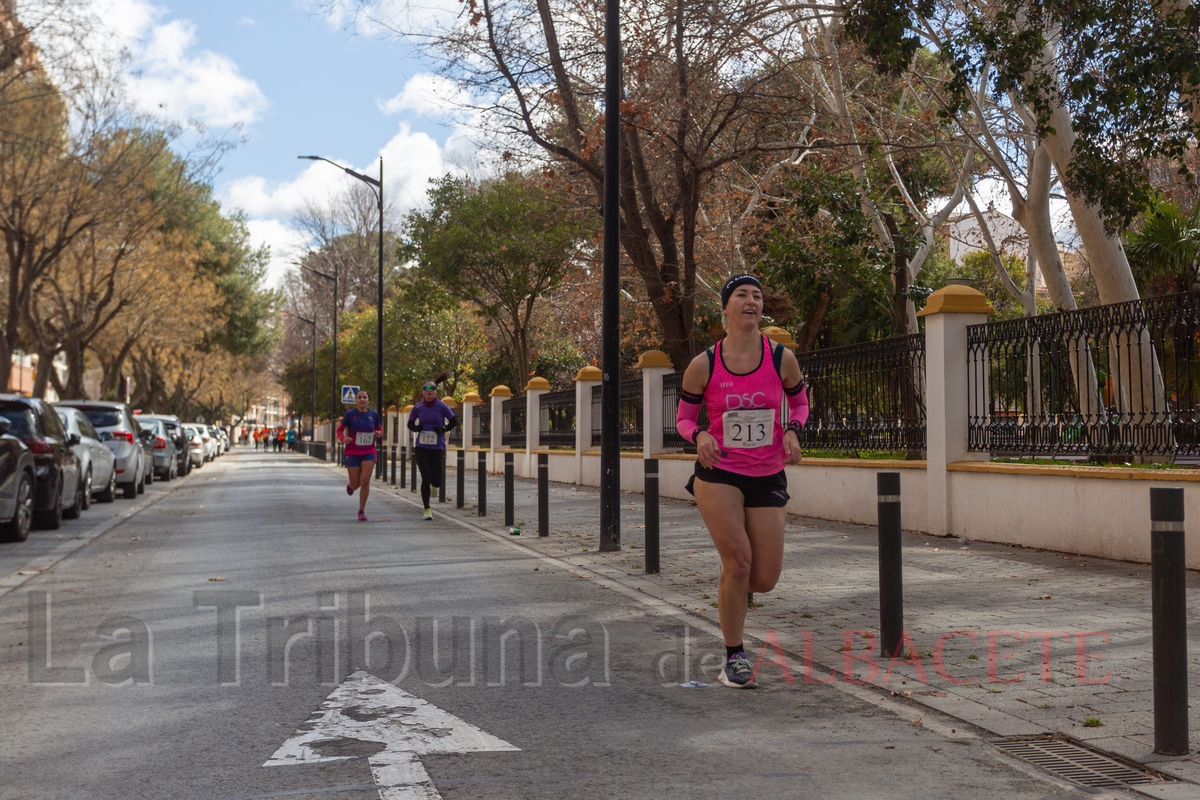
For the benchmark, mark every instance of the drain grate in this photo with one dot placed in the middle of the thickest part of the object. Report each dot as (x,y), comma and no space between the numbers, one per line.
(1067,758)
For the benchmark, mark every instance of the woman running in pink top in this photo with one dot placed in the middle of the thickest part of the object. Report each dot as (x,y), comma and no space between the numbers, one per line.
(739,483)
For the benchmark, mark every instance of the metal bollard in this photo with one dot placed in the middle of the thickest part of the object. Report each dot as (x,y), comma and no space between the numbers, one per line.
(482,473)
(442,488)
(891,580)
(394,448)
(1169,622)
(543,495)
(651,468)
(462,476)
(403,465)
(508,489)
(413,476)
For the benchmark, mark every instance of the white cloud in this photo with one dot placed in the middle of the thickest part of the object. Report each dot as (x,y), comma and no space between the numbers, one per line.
(246,21)
(427,94)
(170,76)
(284,242)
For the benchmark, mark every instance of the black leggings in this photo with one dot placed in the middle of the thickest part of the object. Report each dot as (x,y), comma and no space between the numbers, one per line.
(432,465)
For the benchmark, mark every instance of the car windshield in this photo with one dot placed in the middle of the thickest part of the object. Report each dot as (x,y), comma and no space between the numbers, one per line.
(102,417)
(150,425)
(22,421)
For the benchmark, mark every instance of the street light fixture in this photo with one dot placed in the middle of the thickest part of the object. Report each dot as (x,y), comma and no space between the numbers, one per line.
(333,409)
(313,413)
(377,189)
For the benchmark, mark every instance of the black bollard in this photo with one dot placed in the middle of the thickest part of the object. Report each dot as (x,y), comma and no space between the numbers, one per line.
(891,580)
(543,495)
(1169,622)
(482,474)
(442,488)
(394,449)
(508,489)
(651,467)
(403,465)
(413,476)
(462,476)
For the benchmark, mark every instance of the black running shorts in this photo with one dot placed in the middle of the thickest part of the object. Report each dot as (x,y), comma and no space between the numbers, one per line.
(766,491)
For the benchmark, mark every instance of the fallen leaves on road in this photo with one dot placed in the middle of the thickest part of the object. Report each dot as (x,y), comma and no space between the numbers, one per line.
(1044,597)
(211,580)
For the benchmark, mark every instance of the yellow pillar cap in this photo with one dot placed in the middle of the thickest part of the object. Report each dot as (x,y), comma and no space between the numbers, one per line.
(501,391)
(589,374)
(472,397)
(537,383)
(777,334)
(653,358)
(957,300)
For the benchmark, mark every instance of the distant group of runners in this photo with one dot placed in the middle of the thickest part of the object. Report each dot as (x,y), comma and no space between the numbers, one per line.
(279,438)
(739,480)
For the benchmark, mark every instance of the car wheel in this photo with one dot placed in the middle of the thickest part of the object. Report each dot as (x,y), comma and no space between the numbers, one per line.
(110,492)
(131,489)
(150,475)
(51,519)
(17,528)
(141,487)
(83,490)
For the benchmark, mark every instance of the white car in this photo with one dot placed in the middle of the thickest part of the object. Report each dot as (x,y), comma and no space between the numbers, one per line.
(195,445)
(211,444)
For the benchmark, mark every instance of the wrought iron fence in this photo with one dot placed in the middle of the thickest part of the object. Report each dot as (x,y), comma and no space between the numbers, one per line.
(630,435)
(556,419)
(672,385)
(481,424)
(1112,381)
(513,432)
(455,437)
(866,397)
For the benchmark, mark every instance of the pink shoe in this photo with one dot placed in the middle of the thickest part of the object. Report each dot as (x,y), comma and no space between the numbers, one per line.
(362,517)
(348,489)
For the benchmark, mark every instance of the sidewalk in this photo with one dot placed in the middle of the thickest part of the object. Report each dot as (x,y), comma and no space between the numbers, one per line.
(1096,668)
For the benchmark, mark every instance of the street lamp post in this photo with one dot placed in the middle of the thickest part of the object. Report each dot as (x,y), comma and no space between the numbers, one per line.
(377,189)
(610,389)
(333,409)
(313,413)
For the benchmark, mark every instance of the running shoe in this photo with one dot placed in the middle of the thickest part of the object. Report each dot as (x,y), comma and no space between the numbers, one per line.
(428,514)
(736,672)
(348,489)
(362,516)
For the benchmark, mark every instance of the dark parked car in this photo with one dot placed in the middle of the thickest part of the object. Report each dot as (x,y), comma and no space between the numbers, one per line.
(59,490)
(16,486)
(164,450)
(175,437)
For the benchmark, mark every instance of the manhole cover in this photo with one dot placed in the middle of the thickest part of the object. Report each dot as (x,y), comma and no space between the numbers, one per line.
(1062,756)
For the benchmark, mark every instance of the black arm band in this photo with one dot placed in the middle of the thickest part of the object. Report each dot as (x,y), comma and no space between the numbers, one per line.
(795,427)
(795,390)
(688,397)
(451,424)
(414,425)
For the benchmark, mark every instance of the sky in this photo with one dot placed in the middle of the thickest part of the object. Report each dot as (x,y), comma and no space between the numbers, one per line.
(288,81)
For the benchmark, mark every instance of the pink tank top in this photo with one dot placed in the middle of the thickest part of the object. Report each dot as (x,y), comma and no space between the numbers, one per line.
(760,389)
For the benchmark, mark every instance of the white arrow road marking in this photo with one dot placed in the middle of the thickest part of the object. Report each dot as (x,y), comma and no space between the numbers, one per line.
(366,716)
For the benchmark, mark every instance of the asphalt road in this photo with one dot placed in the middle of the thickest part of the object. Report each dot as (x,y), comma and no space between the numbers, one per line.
(173,655)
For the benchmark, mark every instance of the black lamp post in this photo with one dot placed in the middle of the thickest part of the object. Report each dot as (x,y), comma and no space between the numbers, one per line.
(333,409)
(610,388)
(313,414)
(377,188)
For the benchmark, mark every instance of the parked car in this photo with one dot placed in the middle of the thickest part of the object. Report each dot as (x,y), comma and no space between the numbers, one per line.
(164,450)
(97,464)
(174,426)
(211,446)
(17,486)
(128,445)
(57,484)
(195,445)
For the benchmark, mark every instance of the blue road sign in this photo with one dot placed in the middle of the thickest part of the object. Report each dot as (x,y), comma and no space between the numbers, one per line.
(348,394)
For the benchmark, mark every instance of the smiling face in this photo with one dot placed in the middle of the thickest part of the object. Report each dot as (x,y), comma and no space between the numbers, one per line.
(361,400)
(745,306)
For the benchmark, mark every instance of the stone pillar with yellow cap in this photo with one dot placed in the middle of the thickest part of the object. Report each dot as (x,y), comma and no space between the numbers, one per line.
(533,412)
(470,401)
(585,379)
(781,336)
(947,314)
(498,395)
(654,364)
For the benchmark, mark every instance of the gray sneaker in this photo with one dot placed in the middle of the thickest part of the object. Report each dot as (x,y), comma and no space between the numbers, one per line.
(736,672)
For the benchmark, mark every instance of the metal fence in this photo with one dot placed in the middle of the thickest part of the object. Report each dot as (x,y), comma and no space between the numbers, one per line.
(631,415)
(481,425)
(455,437)
(672,386)
(556,419)
(866,398)
(513,432)
(1112,381)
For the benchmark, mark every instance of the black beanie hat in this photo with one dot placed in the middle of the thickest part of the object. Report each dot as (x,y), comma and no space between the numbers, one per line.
(735,282)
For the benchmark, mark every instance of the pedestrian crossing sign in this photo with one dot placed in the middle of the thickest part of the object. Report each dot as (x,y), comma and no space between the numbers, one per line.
(348,394)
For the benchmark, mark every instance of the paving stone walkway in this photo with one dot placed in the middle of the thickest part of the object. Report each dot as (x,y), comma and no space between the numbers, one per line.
(1059,642)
